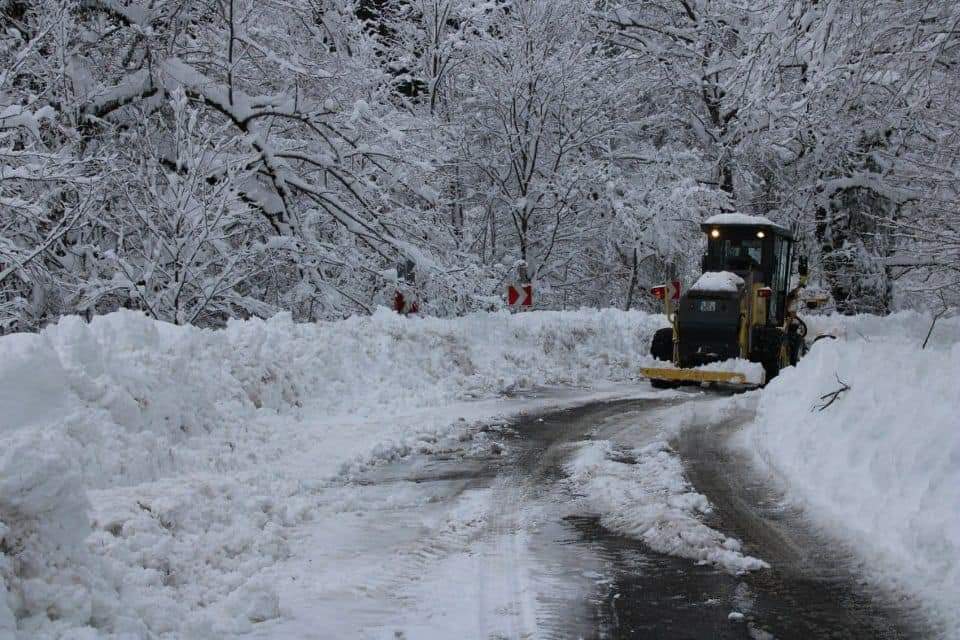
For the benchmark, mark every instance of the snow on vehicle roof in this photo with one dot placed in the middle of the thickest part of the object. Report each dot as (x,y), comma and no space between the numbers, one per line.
(718,281)
(744,219)
(739,218)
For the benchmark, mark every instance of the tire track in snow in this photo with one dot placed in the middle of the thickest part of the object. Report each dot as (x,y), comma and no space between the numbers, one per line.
(504,564)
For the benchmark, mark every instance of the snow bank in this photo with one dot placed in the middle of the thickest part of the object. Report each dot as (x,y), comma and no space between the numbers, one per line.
(363,364)
(905,327)
(718,281)
(643,493)
(136,492)
(881,465)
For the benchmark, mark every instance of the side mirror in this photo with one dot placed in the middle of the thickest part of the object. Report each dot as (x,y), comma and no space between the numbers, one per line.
(802,267)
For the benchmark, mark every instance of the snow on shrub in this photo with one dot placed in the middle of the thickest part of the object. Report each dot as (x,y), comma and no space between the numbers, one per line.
(136,494)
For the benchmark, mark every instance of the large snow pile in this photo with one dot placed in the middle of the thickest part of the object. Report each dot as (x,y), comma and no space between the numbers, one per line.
(136,494)
(881,464)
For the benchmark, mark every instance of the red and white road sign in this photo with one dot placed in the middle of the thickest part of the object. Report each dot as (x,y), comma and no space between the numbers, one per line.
(404,305)
(521,296)
(673,290)
(669,291)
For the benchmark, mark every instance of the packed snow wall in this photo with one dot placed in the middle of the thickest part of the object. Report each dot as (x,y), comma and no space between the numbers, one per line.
(879,466)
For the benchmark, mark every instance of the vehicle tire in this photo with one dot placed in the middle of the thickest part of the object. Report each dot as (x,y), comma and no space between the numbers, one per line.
(771,367)
(799,327)
(797,348)
(662,346)
(797,334)
(662,349)
(772,350)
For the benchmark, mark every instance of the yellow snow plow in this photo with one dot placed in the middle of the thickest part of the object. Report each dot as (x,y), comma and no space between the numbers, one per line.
(741,311)
(694,375)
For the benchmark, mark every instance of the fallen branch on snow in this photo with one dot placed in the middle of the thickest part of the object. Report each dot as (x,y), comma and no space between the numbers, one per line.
(830,398)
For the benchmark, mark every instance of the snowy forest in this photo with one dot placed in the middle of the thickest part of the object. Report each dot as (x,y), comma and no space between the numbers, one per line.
(201,160)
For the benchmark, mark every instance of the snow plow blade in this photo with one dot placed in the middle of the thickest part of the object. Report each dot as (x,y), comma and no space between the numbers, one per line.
(695,375)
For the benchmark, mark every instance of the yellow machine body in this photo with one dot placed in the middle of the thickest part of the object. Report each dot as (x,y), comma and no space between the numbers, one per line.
(753,313)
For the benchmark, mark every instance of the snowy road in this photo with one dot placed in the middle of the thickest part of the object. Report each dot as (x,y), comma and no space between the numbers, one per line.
(495,541)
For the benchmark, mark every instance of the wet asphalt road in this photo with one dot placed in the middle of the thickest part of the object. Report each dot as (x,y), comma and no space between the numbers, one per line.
(814,588)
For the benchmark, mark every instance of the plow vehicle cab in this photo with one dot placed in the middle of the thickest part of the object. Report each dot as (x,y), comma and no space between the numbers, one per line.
(740,308)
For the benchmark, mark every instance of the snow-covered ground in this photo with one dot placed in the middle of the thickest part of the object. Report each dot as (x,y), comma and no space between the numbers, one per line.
(152,474)
(880,466)
(161,481)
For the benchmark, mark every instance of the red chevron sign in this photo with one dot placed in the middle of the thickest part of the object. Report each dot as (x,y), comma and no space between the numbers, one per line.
(521,296)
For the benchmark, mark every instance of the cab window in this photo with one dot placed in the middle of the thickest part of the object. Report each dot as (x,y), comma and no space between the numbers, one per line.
(781,279)
(738,254)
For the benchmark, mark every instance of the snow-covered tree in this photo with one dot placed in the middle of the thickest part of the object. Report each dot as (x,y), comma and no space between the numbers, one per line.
(852,104)
(199,161)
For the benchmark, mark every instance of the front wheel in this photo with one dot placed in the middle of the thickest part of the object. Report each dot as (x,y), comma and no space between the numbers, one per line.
(662,346)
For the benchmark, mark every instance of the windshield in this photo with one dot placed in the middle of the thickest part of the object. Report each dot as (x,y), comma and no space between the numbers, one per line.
(738,254)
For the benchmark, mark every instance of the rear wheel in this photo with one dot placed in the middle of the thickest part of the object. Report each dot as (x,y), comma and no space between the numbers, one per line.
(772,350)
(798,349)
(662,384)
(771,367)
(784,358)
(796,334)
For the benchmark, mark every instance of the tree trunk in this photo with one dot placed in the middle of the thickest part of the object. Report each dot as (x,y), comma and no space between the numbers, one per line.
(633,280)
